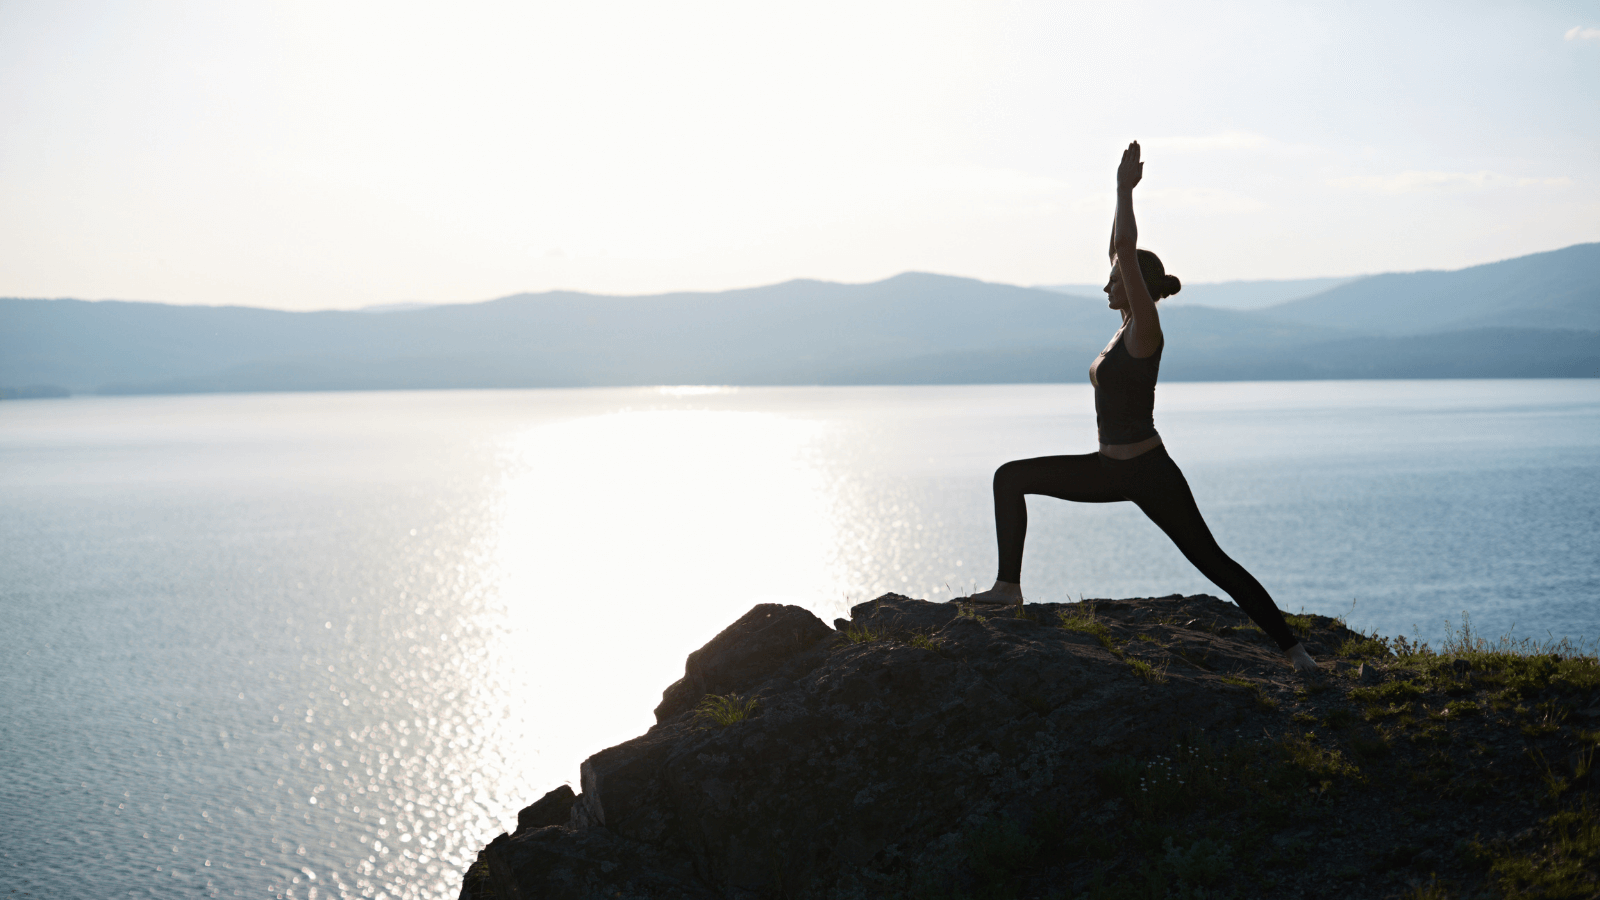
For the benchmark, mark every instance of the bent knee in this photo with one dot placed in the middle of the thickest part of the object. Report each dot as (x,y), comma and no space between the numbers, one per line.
(1009,477)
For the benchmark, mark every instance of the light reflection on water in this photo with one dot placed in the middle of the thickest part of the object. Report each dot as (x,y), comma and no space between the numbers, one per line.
(327,645)
(627,537)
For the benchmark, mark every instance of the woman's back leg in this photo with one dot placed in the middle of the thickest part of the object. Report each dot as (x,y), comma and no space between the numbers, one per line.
(1164,495)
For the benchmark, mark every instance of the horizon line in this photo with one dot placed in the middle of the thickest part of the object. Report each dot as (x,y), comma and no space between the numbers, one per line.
(410,305)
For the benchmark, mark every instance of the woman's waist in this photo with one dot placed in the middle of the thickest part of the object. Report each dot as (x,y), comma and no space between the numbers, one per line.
(1129,451)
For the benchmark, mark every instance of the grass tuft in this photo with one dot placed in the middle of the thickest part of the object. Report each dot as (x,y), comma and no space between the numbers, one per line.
(1379,713)
(1317,761)
(861,634)
(1147,672)
(1440,715)
(1083,621)
(1563,866)
(1459,709)
(1383,694)
(1301,625)
(1258,694)
(1365,647)
(725,710)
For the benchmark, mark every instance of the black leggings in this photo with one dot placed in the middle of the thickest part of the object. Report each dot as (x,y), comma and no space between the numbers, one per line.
(1154,483)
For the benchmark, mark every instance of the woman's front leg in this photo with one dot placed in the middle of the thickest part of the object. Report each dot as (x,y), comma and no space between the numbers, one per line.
(1077,478)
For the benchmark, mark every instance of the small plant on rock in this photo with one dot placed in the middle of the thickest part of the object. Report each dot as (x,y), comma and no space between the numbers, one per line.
(1316,763)
(1084,621)
(1456,710)
(861,634)
(1393,692)
(1379,713)
(1258,694)
(1367,647)
(724,710)
(1300,624)
(1563,866)
(1147,672)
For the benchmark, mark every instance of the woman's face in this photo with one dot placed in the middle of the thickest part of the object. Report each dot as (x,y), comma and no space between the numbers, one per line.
(1115,296)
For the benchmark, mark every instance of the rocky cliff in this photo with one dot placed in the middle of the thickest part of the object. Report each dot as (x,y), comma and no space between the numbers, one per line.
(1131,748)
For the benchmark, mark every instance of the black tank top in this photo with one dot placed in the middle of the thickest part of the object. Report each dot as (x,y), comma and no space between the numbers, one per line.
(1124,393)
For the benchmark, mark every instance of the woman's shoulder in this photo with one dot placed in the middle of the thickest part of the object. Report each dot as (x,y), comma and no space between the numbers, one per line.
(1154,357)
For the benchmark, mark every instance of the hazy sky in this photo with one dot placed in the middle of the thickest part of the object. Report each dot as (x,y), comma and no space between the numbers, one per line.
(320,155)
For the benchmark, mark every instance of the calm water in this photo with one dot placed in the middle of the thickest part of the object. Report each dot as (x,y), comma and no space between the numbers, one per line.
(326,645)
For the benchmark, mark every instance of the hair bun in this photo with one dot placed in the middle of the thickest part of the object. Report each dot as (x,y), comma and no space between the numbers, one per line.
(1173,285)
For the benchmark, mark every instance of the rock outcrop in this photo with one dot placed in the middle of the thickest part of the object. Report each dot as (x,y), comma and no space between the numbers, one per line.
(872,746)
(1134,748)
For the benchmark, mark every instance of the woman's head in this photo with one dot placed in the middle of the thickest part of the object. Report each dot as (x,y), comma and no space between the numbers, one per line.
(1156,280)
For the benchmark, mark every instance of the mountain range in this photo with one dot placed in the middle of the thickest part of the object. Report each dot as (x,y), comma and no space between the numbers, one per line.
(1533,316)
(1226,294)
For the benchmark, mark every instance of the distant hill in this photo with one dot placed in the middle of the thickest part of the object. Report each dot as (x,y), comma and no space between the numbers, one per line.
(800,330)
(910,329)
(1225,294)
(1558,289)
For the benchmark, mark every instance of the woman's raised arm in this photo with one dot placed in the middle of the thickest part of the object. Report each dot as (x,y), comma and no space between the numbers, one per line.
(1143,336)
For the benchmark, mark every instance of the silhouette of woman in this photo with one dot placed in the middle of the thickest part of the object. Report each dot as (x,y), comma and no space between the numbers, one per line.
(1132,463)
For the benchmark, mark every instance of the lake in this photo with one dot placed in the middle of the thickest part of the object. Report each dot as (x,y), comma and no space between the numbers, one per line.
(327,645)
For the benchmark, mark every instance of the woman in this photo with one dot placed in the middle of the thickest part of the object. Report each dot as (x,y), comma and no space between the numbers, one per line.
(1132,463)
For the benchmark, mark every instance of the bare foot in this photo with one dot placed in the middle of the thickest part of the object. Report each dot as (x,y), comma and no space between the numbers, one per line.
(1004,593)
(1303,663)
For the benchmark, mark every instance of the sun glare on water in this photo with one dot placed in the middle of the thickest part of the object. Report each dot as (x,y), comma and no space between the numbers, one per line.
(628,540)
